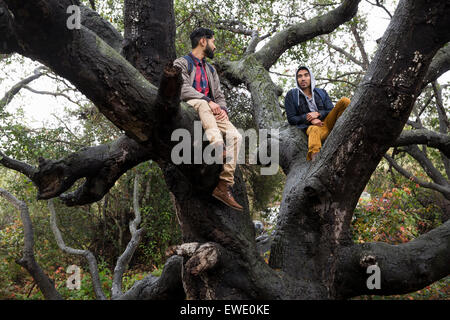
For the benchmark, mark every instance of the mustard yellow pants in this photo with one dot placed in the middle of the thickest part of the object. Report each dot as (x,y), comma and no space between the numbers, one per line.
(214,129)
(317,135)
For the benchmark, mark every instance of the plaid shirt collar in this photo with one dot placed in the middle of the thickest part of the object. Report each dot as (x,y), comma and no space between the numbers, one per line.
(197,61)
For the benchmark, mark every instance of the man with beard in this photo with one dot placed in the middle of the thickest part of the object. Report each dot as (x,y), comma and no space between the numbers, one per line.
(311,109)
(201,89)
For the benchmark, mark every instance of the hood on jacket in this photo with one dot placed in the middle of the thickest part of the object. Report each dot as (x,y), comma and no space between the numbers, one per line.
(313,80)
(313,85)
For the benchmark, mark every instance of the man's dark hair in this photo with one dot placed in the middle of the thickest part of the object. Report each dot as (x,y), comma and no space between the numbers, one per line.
(199,33)
(301,68)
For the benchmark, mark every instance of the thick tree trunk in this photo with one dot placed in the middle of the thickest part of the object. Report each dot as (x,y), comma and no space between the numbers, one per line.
(319,197)
(202,218)
(149,36)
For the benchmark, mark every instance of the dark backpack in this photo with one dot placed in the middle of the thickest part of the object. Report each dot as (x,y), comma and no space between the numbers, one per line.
(191,64)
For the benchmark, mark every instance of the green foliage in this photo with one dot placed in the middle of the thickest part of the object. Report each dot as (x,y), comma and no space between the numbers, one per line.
(395,217)
(439,290)
(110,10)
(262,190)
(158,219)
(101,227)
(397,214)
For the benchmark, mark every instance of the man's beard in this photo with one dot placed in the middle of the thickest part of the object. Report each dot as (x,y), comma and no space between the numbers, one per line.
(209,52)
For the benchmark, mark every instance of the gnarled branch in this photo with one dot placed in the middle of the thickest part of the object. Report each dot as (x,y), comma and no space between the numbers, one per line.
(403,268)
(37,73)
(126,256)
(424,136)
(430,185)
(439,65)
(304,31)
(28,260)
(168,286)
(93,268)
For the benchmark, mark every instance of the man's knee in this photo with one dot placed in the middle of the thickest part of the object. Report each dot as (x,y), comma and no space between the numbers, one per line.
(204,106)
(313,130)
(345,101)
(200,105)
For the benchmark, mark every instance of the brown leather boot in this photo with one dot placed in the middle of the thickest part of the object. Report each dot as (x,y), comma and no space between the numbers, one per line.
(223,193)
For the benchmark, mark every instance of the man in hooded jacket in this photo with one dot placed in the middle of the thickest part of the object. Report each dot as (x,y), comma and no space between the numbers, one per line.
(311,109)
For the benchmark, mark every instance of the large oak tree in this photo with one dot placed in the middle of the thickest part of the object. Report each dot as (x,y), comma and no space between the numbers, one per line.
(133,83)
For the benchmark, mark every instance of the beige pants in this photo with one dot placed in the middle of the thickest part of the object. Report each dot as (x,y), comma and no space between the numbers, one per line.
(214,129)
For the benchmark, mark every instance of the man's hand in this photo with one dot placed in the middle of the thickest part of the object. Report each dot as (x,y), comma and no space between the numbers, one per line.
(222,116)
(215,108)
(317,122)
(312,115)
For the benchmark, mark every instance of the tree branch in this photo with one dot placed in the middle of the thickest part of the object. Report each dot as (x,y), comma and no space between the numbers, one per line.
(28,260)
(101,27)
(168,286)
(378,4)
(335,80)
(425,105)
(404,268)
(302,32)
(439,65)
(16,165)
(7,98)
(136,234)
(234,26)
(422,158)
(54,94)
(345,53)
(107,79)
(92,3)
(426,137)
(101,165)
(93,268)
(149,36)
(444,124)
(430,185)
(360,45)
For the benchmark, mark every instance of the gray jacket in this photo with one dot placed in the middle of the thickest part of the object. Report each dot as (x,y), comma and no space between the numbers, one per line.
(188,92)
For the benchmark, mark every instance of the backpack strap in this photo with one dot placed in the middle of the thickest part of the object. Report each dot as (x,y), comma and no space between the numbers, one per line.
(191,64)
(211,68)
(321,93)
